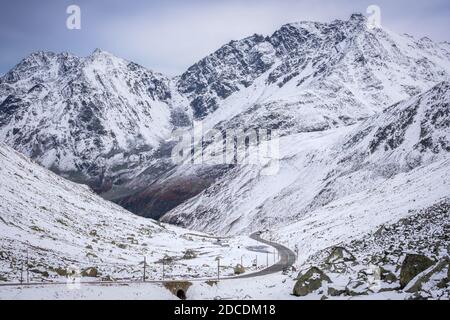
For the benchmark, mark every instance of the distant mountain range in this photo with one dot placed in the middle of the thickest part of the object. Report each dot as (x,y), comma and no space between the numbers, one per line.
(355,106)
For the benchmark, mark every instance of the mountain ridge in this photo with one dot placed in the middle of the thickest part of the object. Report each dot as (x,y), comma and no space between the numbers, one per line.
(320,170)
(108,122)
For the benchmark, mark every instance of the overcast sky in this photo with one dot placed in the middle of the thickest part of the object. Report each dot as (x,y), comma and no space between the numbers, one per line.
(170,35)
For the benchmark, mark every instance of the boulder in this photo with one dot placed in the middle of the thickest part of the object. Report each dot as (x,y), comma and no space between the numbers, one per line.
(418,284)
(309,282)
(62,272)
(239,269)
(90,272)
(412,266)
(357,288)
(339,255)
(387,276)
(189,254)
(334,292)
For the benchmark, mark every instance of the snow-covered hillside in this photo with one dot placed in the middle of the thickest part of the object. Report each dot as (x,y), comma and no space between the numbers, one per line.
(62,226)
(86,117)
(395,161)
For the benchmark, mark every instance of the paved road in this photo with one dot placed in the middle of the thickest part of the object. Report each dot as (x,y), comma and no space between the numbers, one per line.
(287,259)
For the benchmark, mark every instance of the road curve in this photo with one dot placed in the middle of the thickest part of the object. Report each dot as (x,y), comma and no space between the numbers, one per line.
(287,258)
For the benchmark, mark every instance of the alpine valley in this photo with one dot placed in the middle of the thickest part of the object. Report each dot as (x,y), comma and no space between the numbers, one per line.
(363,119)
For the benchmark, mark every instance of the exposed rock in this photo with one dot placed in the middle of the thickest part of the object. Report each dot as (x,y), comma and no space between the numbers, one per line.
(412,266)
(357,288)
(239,269)
(91,272)
(309,282)
(44,273)
(387,275)
(61,272)
(338,259)
(418,284)
(336,292)
(211,283)
(339,255)
(189,254)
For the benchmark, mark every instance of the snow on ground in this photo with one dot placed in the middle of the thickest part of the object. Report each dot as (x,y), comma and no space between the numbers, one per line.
(352,216)
(64,227)
(88,292)
(271,287)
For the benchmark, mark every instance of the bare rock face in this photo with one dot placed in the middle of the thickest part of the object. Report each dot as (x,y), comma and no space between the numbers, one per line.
(412,266)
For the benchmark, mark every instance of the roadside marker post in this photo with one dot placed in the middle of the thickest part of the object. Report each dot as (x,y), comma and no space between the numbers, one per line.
(145,264)
(218,267)
(28,269)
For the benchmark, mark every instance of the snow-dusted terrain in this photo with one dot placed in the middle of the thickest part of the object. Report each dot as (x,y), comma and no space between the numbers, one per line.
(63,226)
(363,184)
(398,159)
(312,76)
(307,77)
(90,119)
(104,121)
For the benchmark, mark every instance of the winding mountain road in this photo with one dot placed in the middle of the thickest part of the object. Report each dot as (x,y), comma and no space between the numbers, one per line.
(287,259)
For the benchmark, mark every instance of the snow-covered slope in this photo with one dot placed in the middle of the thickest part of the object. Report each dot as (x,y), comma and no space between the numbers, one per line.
(395,161)
(62,226)
(312,76)
(85,117)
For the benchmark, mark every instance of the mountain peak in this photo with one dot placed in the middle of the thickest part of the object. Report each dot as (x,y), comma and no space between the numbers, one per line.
(100,52)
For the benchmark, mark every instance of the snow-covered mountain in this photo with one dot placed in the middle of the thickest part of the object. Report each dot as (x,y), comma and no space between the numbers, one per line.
(306,77)
(57,226)
(393,162)
(107,122)
(85,118)
(363,117)
(312,76)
